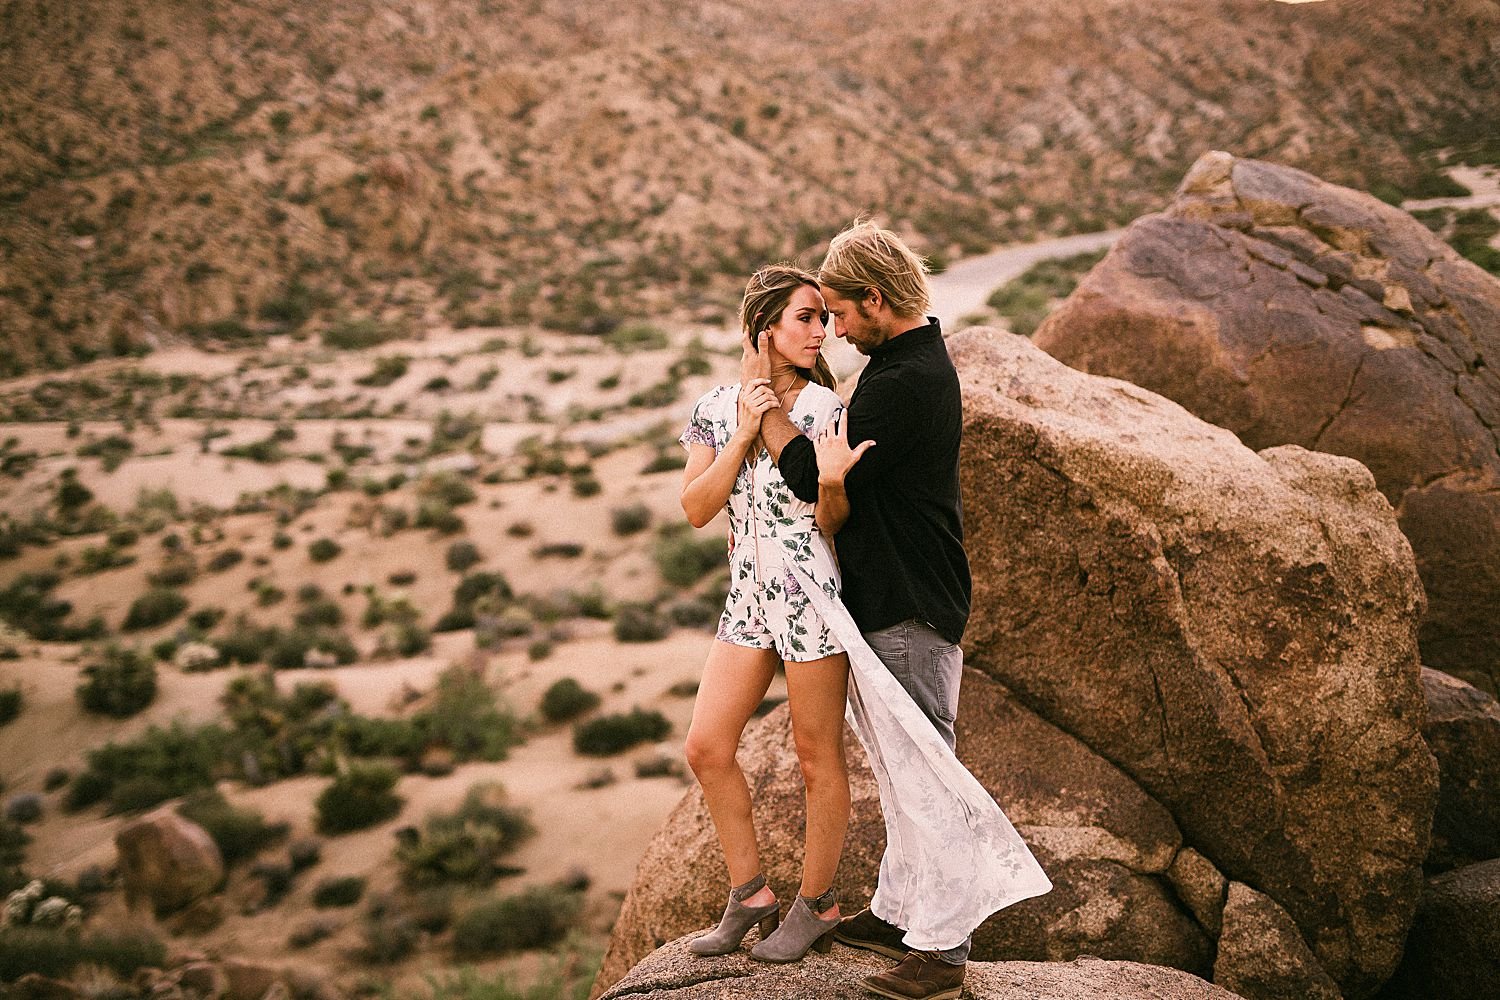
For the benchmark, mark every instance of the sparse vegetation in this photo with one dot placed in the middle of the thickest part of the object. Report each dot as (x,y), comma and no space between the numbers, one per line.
(610,734)
(240,833)
(534,918)
(635,622)
(1026,300)
(683,558)
(465,846)
(120,685)
(156,606)
(630,519)
(57,952)
(344,890)
(567,699)
(361,797)
(323,550)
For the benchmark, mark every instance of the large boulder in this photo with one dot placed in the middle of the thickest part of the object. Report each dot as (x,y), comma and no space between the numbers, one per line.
(1463,730)
(1293,311)
(1235,630)
(675,972)
(1454,949)
(1105,843)
(1262,955)
(168,861)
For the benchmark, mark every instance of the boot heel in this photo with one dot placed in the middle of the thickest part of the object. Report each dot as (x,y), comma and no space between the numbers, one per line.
(769,924)
(824,944)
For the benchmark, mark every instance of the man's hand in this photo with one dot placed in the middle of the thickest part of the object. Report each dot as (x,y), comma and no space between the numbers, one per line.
(754,364)
(835,458)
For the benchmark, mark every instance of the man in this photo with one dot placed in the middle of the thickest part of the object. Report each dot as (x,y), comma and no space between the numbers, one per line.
(905,574)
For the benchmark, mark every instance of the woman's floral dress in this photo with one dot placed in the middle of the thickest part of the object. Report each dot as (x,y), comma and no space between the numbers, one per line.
(952,857)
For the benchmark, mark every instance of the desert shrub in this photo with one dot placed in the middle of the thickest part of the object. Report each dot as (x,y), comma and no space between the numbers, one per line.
(110,451)
(323,550)
(177,569)
(27,603)
(205,618)
(246,642)
(98,558)
(282,541)
(276,877)
(319,612)
(465,846)
(637,337)
(683,559)
(119,685)
(55,952)
(539,650)
(155,607)
(23,808)
(566,699)
(406,638)
(387,370)
(663,393)
(586,484)
(240,833)
(610,734)
(639,623)
(665,460)
(467,717)
(309,932)
(388,935)
(447,487)
(439,516)
(470,590)
(11,701)
(461,555)
(561,550)
(342,890)
(296,648)
(1026,300)
(224,559)
(629,520)
(533,918)
(693,613)
(361,797)
(304,852)
(155,766)
(56,778)
(354,334)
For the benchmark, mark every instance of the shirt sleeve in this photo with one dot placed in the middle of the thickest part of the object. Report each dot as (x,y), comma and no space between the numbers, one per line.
(888,413)
(699,430)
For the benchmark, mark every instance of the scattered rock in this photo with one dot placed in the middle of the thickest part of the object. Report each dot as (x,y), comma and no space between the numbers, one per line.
(1293,311)
(1234,630)
(675,972)
(1454,949)
(1463,730)
(168,860)
(1262,955)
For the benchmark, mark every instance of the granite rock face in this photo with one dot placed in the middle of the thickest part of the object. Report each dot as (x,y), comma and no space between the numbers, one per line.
(1106,844)
(1235,630)
(1261,954)
(675,972)
(1293,311)
(168,861)
(1454,949)
(1463,730)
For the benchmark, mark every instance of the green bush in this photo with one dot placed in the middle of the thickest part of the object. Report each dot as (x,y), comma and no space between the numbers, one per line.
(240,833)
(55,953)
(157,765)
(345,890)
(639,623)
(610,734)
(465,846)
(120,685)
(629,520)
(246,642)
(320,612)
(683,559)
(155,607)
(637,337)
(566,699)
(360,797)
(461,555)
(387,370)
(323,550)
(1026,300)
(534,918)
(11,701)
(355,334)
(389,935)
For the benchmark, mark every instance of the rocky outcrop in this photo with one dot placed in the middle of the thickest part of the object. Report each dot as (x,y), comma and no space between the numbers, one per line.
(1463,730)
(1454,949)
(1234,630)
(1293,311)
(1262,955)
(1105,843)
(675,972)
(167,861)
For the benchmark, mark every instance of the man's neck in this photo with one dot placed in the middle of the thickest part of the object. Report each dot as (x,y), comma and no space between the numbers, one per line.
(905,324)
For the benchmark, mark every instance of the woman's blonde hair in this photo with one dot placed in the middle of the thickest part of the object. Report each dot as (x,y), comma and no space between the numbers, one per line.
(864,256)
(766,297)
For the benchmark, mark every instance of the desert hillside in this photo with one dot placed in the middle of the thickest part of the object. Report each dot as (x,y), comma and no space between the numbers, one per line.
(214,173)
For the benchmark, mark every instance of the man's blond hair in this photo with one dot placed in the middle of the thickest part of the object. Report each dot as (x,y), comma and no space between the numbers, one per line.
(864,256)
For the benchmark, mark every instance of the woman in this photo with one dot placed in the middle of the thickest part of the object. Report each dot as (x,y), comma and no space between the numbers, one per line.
(769,618)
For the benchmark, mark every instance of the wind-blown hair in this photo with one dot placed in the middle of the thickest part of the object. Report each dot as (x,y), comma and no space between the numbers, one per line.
(864,256)
(766,297)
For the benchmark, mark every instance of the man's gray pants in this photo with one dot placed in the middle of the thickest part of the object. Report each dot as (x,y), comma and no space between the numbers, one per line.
(929,667)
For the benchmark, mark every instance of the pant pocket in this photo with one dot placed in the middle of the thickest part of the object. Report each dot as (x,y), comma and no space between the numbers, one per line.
(948,672)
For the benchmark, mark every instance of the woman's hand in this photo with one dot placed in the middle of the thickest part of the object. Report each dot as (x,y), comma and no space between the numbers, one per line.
(835,458)
(755,399)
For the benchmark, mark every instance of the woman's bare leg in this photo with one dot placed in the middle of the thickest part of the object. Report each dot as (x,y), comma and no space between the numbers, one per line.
(735,679)
(816,691)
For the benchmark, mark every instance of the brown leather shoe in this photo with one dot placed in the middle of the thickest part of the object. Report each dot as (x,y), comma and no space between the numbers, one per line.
(920,976)
(866,930)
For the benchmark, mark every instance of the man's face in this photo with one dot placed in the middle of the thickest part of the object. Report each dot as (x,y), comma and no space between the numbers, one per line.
(854,322)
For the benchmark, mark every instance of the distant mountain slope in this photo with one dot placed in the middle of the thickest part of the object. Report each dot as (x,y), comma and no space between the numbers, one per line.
(221,170)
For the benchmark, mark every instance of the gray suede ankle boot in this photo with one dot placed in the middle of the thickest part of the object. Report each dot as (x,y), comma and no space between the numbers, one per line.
(803,929)
(737,920)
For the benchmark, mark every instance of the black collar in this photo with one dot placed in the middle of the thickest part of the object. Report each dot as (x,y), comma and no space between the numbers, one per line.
(912,339)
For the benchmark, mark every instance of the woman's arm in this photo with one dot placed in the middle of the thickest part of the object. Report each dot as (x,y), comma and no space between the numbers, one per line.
(708,479)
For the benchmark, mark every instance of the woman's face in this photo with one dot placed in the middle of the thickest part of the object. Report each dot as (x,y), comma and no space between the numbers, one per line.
(798,334)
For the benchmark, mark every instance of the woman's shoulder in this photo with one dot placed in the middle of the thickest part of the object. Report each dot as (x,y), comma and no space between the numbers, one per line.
(717,394)
(821,398)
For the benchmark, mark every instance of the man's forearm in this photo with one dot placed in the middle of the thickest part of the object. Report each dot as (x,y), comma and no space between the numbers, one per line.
(776,430)
(833,507)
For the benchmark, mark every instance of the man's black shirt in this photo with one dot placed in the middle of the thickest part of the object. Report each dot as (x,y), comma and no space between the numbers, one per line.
(901,551)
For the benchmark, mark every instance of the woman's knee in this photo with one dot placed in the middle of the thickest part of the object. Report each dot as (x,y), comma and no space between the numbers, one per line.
(822,761)
(707,755)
